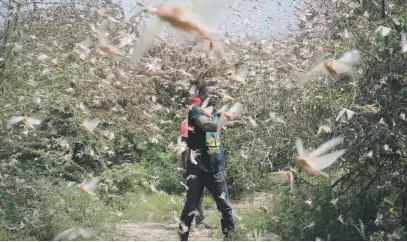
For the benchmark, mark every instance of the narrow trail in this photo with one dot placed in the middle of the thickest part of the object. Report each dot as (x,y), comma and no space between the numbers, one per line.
(161,231)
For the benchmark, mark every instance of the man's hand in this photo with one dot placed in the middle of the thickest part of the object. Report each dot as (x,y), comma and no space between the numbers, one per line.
(234,119)
(228,116)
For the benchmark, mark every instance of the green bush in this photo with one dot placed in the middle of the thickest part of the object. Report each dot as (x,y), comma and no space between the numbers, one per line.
(43,209)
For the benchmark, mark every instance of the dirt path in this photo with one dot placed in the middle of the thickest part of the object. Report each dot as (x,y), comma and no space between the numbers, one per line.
(158,232)
(150,231)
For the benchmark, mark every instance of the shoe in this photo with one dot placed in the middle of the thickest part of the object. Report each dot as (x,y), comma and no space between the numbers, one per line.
(183,236)
(229,236)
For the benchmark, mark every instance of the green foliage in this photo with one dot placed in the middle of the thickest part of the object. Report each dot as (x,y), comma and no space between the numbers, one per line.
(142,206)
(367,187)
(44,208)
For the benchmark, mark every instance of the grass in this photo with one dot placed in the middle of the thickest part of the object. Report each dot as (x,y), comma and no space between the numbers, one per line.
(150,207)
(153,207)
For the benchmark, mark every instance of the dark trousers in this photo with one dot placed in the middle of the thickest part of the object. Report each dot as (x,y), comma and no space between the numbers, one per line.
(216,184)
(199,218)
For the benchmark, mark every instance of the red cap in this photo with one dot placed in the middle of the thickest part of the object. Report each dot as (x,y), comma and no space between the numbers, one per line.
(195,100)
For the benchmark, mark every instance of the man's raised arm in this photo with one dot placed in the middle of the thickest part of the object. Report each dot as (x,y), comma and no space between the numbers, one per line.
(203,123)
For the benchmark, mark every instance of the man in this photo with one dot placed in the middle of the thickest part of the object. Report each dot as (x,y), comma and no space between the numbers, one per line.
(182,161)
(209,167)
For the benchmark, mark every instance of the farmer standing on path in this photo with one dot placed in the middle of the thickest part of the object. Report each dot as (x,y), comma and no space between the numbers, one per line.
(209,168)
(182,161)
